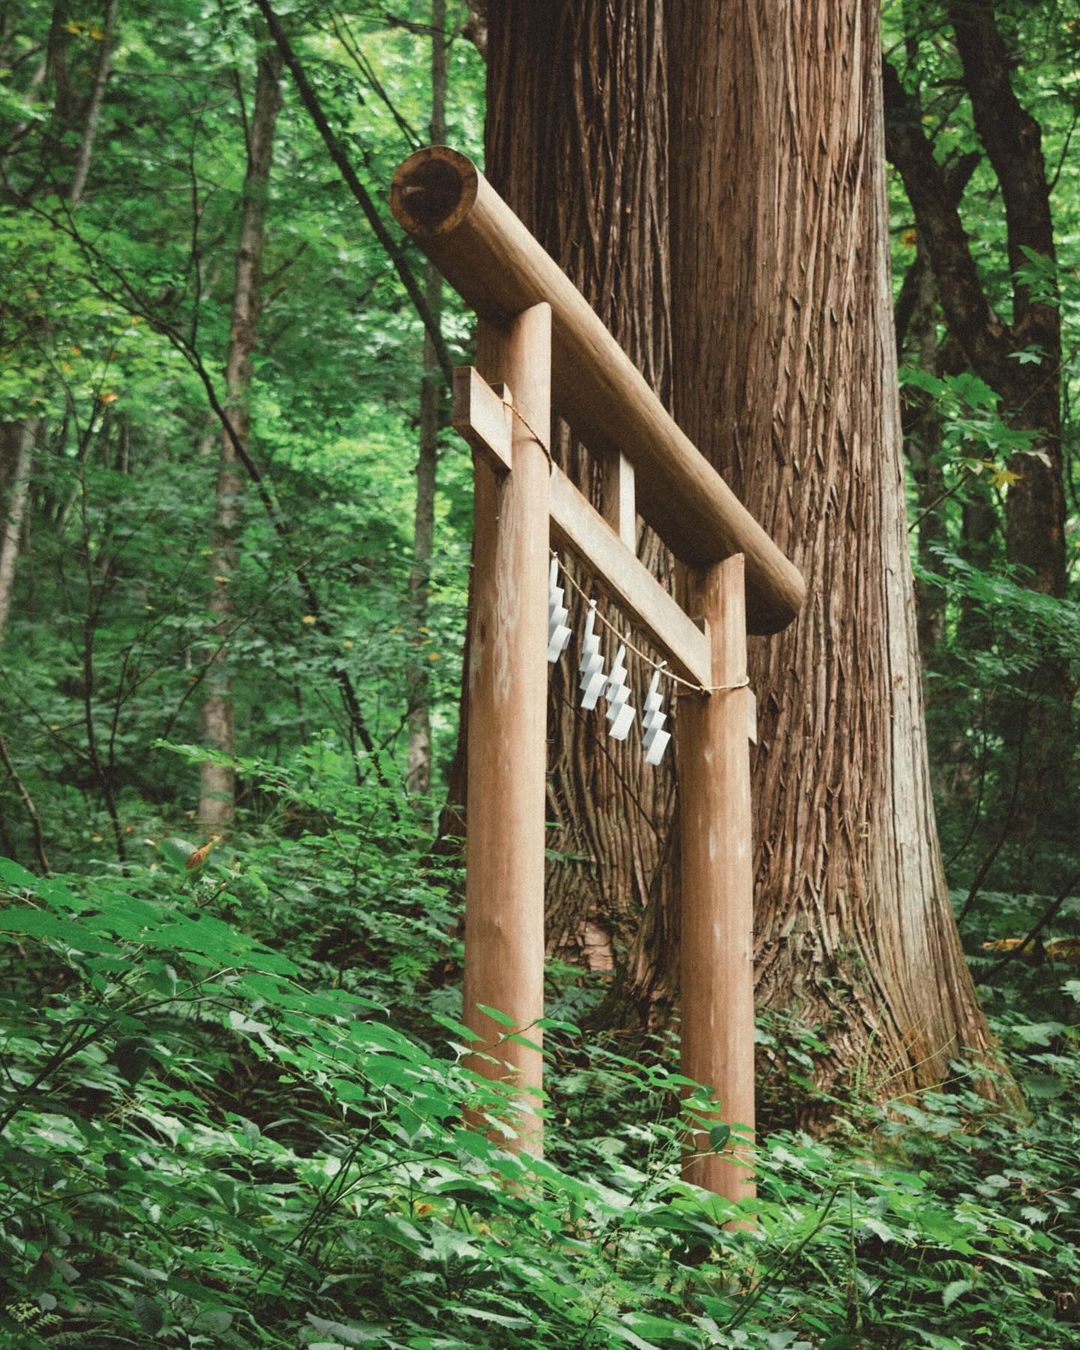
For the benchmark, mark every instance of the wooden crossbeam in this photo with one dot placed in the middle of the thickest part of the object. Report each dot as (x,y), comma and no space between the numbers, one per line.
(480,415)
(575,524)
(492,261)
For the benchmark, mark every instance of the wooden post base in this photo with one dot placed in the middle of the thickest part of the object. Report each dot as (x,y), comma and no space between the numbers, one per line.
(507,725)
(717,943)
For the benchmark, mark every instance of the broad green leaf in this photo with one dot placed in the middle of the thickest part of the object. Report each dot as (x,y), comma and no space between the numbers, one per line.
(17,877)
(954,1290)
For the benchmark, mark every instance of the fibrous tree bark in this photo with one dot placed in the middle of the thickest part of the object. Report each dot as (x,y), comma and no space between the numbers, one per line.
(581,158)
(785,374)
(922,430)
(779,311)
(217,780)
(16,443)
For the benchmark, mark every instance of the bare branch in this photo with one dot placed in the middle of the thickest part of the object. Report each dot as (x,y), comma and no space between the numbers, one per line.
(31,809)
(982,336)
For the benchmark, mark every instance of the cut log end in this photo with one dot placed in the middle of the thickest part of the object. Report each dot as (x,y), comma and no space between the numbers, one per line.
(485,252)
(433,190)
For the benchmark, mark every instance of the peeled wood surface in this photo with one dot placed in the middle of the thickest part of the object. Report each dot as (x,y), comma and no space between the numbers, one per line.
(640,596)
(507,723)
(716,1023)
(483,418)
(498,268)
(620,499)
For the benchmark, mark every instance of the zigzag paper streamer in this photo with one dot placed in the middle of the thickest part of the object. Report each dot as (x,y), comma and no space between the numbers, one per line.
(591,665)
(620,713)
(654,738)
(558,630)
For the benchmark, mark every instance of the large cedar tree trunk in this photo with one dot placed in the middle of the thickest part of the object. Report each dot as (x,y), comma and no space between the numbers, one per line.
(785,375)
(217,781)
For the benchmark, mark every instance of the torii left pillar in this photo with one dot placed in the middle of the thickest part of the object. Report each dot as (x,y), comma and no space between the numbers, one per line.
(507,724)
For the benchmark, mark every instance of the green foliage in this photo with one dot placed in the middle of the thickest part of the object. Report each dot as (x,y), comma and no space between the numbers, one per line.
(231,1110)
(232,1083)
(116,321)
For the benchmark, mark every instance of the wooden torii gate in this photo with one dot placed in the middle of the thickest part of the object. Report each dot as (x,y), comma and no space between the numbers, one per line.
(539,344)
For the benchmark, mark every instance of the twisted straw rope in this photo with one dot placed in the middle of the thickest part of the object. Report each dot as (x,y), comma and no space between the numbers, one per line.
(661,666)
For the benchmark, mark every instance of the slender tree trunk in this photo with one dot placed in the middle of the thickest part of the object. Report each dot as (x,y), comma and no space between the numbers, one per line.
(24,434)
(418,770)
(18,447)
(93,110)
(1036,727)
(576,142)
(217,783)
(1035,509)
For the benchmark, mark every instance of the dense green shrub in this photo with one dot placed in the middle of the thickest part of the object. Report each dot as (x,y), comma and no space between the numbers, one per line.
(231,1116)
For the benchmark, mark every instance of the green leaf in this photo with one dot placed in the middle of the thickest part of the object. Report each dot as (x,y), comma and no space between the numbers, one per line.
(351,1334)
(1045,1086)
(879,1229)
(17,877)
(148,1314)
(40,923)
(486,1315)
(176,852)
(719,1136)
(216,1321)
(132,1057)
(955,1290)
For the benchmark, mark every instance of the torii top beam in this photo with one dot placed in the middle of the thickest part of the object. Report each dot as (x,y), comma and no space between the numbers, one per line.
(499,269)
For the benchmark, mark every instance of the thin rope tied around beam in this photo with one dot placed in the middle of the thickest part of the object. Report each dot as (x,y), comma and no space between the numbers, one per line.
(661,666)
(540,441)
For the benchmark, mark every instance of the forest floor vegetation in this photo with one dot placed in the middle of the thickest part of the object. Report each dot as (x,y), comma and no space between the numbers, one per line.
(231,1115)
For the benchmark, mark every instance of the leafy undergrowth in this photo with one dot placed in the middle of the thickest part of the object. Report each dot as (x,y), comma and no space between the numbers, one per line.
(209,1140)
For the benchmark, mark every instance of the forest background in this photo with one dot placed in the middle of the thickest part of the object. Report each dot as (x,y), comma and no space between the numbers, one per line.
(234,559)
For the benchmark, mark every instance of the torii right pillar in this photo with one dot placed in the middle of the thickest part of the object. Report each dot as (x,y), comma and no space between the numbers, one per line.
(717,941)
